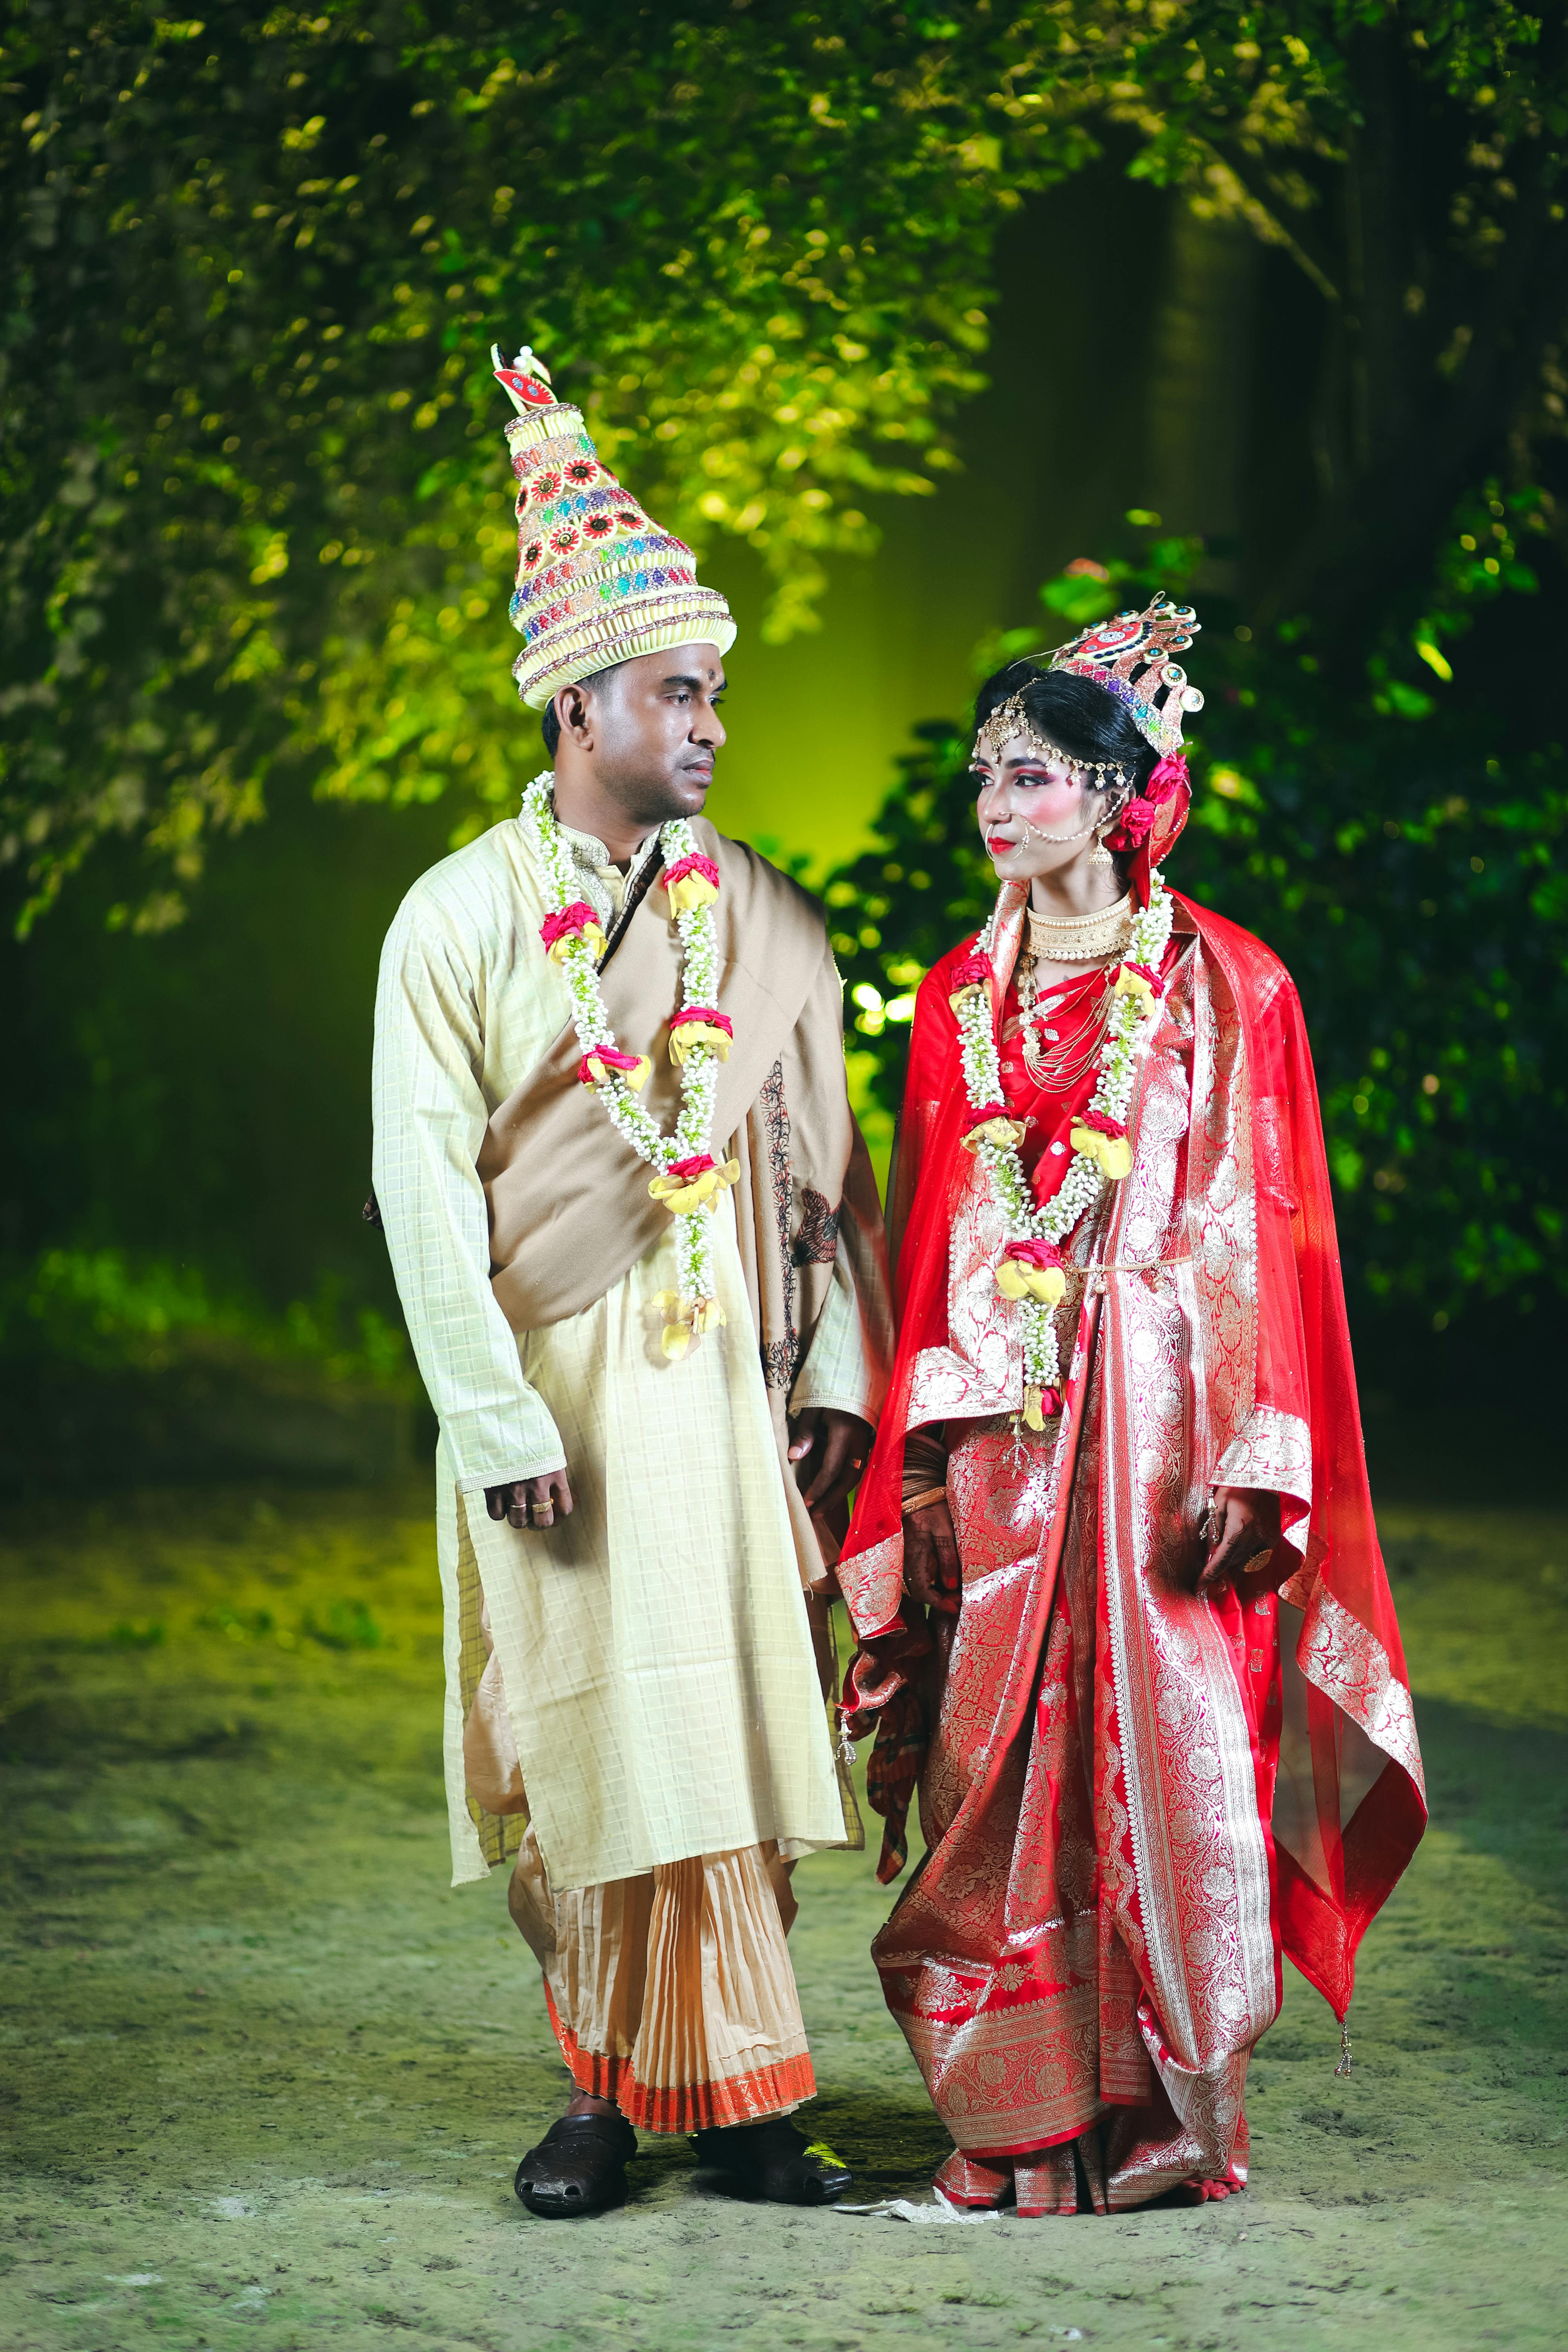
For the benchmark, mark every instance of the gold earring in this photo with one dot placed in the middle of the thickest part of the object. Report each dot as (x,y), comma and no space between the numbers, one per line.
(1100,854)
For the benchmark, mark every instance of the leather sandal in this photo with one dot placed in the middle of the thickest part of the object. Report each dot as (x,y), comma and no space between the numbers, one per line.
(775,2161)
(579,2168)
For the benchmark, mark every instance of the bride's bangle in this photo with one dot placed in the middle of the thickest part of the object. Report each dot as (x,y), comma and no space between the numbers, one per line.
(920,1502)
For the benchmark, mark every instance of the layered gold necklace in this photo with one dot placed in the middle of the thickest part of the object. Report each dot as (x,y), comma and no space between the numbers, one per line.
(1083,938)
(1101,938)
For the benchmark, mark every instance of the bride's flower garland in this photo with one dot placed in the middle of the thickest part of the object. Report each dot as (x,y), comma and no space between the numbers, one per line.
(1031,1269)
(689,1178)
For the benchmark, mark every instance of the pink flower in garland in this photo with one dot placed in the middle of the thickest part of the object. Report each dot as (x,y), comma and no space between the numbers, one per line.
(566,924)
(1139,980)
(698,1165)
(1031,1251)
(687,1184)
(606,1060)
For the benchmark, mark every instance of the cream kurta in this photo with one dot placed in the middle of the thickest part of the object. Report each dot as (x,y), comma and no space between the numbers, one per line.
(655,1648)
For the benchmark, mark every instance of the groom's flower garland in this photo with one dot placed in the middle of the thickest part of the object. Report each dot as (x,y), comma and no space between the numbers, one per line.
(688,1176)
(1031,1269)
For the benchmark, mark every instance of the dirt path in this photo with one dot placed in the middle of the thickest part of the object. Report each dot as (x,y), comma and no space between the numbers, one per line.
(266,2078)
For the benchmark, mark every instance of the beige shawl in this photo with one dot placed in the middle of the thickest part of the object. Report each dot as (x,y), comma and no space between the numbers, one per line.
(570,1208)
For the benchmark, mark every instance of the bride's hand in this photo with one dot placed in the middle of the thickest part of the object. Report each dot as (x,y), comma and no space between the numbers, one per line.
(931,1574)
(1243,1529)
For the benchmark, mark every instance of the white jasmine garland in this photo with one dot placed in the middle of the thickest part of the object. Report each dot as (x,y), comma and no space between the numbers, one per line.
(1126,1039)
(692,1133)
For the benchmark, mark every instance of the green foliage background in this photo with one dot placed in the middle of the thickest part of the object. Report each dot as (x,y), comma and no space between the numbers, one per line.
(256,544)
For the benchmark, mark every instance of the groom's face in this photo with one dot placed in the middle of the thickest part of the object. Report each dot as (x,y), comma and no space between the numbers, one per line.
(655,730)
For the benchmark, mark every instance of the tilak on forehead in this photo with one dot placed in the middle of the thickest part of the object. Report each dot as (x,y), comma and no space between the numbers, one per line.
(1130,656)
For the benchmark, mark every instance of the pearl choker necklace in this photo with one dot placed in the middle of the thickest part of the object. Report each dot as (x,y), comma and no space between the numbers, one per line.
(1082,938)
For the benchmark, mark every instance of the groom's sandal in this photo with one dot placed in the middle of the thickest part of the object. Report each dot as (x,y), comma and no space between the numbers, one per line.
(776,2161)
(579,2168)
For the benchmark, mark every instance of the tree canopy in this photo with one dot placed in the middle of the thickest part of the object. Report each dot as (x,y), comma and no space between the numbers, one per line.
(254,508)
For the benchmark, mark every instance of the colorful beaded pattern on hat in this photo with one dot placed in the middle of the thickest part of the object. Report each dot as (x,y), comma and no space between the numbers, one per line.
(597,581)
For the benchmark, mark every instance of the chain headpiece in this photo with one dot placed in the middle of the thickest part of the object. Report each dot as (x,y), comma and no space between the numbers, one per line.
(1011,718)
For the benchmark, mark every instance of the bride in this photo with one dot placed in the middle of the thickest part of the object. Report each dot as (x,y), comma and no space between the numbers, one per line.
(1121,1612)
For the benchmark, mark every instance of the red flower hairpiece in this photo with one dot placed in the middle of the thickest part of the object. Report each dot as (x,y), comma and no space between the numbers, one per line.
(1134,826)
(1167,779)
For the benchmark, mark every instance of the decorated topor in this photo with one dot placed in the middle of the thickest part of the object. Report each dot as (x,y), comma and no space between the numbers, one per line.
(599,582)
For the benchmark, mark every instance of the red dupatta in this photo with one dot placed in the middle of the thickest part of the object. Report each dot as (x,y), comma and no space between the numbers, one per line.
(1350,1807)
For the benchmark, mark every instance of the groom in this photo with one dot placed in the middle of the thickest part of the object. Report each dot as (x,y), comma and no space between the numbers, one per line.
(635,1495)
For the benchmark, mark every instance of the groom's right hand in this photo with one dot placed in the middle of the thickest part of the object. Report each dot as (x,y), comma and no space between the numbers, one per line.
(932,1573)
(531,1503)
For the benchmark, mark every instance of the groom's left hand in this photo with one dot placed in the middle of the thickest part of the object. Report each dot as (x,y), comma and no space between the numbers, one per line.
(830,1450)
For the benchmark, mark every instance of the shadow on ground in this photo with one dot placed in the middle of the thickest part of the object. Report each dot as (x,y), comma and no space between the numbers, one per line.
(267,2078)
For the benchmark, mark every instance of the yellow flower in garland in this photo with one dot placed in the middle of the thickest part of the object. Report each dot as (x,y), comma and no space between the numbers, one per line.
(689,1184)
(1040,1406)
(1032,1269)
(994,1123)
(690,882)
(1138,979)
(603,1061)
(687,1320)
(1104,1141)
(700,1028)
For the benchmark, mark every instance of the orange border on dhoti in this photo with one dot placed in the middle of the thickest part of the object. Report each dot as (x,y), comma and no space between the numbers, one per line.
(683,2106)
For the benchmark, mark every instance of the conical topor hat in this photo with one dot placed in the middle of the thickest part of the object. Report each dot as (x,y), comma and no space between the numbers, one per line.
(597,581)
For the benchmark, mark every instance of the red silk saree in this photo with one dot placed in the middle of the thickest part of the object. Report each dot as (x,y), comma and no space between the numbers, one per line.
(1134,1797)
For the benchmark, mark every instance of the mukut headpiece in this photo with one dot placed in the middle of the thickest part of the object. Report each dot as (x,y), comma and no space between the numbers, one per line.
(1131,658)
(597,581)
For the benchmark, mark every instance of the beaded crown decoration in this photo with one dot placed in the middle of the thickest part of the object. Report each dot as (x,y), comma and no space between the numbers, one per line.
(1130,655)
(597,581)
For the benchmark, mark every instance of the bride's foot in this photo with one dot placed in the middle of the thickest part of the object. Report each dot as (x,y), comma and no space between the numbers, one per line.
(1208,2192)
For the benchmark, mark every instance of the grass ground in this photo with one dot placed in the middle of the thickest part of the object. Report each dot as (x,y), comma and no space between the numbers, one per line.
(266,2077)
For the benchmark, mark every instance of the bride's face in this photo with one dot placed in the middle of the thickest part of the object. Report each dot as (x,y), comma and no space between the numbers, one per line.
(1036,816)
